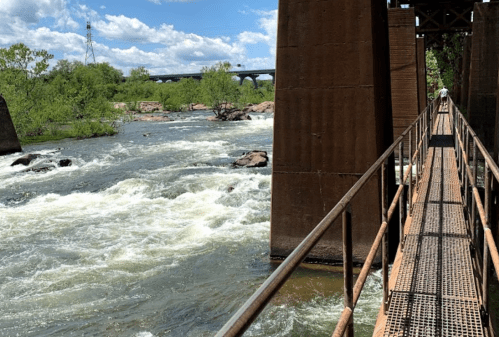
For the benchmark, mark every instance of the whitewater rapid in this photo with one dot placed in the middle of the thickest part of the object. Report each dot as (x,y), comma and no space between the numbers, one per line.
(141,236)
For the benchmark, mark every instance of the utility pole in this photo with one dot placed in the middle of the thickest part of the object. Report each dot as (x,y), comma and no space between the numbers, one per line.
(89,44)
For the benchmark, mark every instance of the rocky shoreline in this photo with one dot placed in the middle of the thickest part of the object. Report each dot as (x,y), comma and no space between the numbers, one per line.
(232,115)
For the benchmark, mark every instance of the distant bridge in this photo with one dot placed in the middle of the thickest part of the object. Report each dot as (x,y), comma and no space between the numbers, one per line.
(242,74)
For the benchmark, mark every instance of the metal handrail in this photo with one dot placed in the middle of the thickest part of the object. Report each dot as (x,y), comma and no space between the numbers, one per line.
(250,310)
(463,131)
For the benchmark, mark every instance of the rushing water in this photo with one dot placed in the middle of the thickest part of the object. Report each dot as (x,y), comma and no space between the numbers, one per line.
(141,237)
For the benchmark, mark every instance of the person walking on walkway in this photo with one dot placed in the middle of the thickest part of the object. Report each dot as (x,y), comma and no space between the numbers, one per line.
(443,94)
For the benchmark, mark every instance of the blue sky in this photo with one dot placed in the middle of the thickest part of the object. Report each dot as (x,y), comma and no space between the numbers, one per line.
(165,36)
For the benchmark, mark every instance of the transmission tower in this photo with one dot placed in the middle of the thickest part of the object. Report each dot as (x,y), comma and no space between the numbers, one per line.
(90,48)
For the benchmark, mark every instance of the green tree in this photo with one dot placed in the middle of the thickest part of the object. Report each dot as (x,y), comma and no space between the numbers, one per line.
(21,82)
(63,68)
(188,91)
(433,78)
(139,74)
(219,90)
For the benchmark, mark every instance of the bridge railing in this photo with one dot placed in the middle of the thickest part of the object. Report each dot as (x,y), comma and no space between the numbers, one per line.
(472,174)
(418,133)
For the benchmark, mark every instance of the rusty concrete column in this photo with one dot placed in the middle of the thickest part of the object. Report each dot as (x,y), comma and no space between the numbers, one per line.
(483,71)
(421,59)
(9,143)
(466,71)
(403,69)
(332,120)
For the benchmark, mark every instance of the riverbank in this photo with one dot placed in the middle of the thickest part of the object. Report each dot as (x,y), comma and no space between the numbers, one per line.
(150,111)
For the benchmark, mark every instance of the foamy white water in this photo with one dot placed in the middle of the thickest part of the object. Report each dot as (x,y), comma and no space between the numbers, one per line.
(141,236)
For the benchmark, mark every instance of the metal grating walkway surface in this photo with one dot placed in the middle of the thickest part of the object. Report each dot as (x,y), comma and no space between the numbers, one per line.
(435,292)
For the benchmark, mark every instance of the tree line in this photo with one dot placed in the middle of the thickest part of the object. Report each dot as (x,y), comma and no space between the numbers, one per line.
(76,100)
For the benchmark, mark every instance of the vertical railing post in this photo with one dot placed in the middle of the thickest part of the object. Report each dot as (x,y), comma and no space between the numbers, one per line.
(473,201)
(416,133)
(410,173)
(486,258)
(461,161)
(430,123)
(430,119)
(465,172)
(384,251)
(402,203)
(424,135)
(348,266)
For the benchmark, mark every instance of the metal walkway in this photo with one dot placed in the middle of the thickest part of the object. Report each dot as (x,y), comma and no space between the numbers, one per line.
(439,283)
(435,292)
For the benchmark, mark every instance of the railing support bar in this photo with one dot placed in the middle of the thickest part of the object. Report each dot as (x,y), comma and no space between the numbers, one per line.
(473,201)
(486,259)
(466,181)
(384,245)
(410,173)
(402,203)
(416,132)
(348,266)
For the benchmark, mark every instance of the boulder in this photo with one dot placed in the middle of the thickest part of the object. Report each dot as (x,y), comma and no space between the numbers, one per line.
(45,166)
(267,107)
(199,106)
(253,159)
(151,118)
(65,162)
(9,143)
(150,106)
(120,106)
(25,160)
(230,115)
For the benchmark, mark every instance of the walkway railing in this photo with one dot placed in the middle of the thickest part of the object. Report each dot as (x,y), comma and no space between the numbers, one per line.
(419,133)
(468,165)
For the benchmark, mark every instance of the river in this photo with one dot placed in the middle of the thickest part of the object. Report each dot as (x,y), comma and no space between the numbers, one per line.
(141,237)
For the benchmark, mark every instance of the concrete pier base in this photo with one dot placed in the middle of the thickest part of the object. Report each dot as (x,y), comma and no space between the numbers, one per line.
(9,143)
(332,121)
(483,71)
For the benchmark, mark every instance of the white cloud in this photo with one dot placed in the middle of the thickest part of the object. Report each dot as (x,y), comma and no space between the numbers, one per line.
(185,46)
(176,51)
(252,38)
(102,7)
(31,11)
(83,11)
(267,23)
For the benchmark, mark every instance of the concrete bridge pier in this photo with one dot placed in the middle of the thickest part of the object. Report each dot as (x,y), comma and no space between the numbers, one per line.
(421,59)
(9,143)
(332,121)
(483,72)
(253,78)
(465,86)
(403,70)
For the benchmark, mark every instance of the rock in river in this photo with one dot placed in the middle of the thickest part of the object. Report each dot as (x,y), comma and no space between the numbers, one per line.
(25,160)
(230,115)
(253,159)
